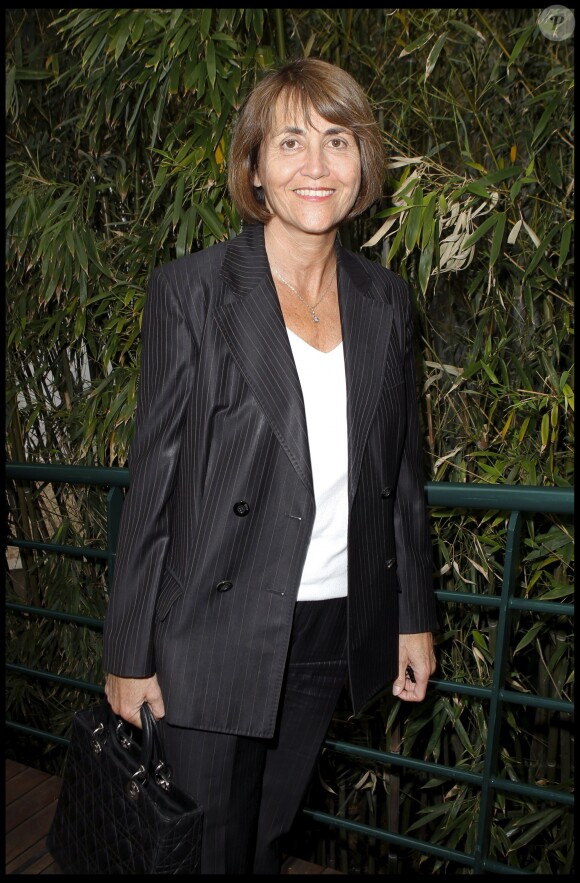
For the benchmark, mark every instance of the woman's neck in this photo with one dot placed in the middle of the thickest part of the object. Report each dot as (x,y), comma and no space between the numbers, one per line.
(300,257)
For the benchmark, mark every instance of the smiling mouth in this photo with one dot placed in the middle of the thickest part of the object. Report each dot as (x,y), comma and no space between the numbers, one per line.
(309,191)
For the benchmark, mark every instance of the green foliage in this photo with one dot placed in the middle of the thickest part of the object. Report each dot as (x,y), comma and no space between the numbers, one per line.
(118,129)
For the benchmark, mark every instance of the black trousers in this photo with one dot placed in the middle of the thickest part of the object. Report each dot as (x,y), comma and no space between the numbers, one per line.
(252,789)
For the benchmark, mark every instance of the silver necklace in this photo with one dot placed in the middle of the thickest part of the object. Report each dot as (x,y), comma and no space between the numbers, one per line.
(312,308)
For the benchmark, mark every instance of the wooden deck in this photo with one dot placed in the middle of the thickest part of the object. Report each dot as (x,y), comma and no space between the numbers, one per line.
(31,797)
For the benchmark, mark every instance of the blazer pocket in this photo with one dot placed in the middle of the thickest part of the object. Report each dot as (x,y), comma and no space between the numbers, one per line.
(171,590)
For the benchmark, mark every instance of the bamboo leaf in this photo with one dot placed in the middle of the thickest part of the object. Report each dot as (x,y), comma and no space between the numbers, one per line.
(158,112)
(414,219)
(399,161)
(537,822)
(507,424)
(520,43)
(545,430)
(428,227)
(174,77)
(137,26)
(191,227)
(478,190)
(568,396)
(545,118)
(530,636)
(480,640)
(396,243)
(80,323)
(122,37)
(426,261)
(81,251)
(500,175)
(565,243)
(209,217)
(215,98)
(94,48)
(514,232)
(70,240)
(210,62)
(13,209)
(481,231)
(137,109)
(9,91)
(192,74)
(430,814)
(462,26)
(205,23)
(489,372)
(557,593)
(394,216)
(531,234)
(178,206)
(176,15)
(497,240)
(434,54)
(539,253)
(416,44)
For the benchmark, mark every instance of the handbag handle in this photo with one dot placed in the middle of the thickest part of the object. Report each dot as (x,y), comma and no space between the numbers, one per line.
(151,752)
(152,761)
(148,728)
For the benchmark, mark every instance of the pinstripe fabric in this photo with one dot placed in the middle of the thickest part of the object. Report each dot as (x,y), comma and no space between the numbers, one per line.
(205,597)
(314,679)
(251,789)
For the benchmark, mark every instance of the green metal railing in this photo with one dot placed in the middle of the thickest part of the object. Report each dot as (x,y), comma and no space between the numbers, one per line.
(516,500)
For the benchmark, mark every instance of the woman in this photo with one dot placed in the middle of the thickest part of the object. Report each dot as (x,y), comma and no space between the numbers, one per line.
(277,437)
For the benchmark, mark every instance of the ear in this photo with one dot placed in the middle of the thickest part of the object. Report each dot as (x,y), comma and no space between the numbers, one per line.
(257,181)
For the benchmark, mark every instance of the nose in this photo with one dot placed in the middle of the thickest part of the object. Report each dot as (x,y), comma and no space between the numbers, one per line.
(315,165)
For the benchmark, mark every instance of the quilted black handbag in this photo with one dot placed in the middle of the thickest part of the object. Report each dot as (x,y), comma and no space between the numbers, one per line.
(118,811)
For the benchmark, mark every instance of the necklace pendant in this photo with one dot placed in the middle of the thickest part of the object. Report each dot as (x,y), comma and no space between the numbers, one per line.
(315,317)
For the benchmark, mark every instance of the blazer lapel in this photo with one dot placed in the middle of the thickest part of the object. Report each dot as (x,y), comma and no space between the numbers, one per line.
(252,324)
(366,329)
(253,327)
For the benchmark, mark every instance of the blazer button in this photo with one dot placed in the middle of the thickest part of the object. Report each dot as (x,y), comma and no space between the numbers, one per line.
(242,508)
(386,492)
(224,586)
(390,563)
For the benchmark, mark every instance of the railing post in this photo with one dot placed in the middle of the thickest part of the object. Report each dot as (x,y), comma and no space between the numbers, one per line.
(114,506)
(510,572)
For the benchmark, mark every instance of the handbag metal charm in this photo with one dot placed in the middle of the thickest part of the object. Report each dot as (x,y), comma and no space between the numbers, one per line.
(98,738)
(133,789)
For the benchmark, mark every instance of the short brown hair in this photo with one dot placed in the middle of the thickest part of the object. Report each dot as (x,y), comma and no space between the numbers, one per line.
(308,83)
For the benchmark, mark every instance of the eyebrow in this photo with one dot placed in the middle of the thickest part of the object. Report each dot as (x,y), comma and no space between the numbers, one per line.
(296,130)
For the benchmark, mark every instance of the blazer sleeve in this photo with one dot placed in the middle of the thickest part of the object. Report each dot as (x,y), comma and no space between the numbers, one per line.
(417,608)
(168,356)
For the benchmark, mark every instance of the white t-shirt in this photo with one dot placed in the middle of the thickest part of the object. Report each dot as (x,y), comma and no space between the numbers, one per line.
(323,384)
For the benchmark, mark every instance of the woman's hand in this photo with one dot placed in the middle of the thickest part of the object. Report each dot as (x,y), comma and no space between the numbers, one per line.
(127,695)
(416,664)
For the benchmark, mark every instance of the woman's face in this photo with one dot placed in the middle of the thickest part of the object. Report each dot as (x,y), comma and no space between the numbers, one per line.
(310,174)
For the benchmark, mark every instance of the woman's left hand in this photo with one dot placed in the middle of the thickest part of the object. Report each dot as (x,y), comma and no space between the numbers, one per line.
(416,665)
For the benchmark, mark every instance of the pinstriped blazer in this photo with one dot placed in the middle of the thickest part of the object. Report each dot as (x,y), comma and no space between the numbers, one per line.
(204,589)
